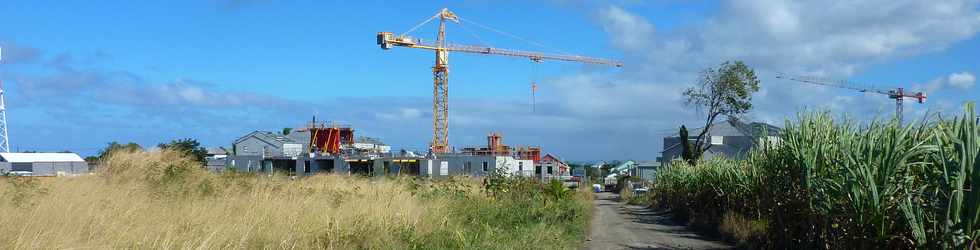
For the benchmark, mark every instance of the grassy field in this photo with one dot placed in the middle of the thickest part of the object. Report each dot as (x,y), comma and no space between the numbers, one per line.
(833,184)
(164,200)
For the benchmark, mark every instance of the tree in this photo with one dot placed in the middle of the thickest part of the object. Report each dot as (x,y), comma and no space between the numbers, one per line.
(187,145)
(114,146)
(92,159)
(286,131)
(592,172)
(606,168)
(686,152)
(726,90)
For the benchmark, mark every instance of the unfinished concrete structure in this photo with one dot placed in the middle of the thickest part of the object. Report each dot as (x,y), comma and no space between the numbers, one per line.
(332,149)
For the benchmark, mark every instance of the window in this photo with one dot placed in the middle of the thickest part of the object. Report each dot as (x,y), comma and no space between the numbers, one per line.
(486,166)
(717,140)
(550,170)
(245,149)
(520,166)
(468,167)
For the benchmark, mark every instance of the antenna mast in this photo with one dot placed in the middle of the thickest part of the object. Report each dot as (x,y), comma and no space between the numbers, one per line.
(4,145)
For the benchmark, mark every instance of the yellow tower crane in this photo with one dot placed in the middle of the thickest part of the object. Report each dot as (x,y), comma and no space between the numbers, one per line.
(440,72)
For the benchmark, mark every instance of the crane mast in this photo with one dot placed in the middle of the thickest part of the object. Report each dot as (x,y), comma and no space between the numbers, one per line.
(898,94)
(440,71)
(440,90)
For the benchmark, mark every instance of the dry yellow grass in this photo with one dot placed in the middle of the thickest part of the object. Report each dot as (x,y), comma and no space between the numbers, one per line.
(128,208)
(162,200)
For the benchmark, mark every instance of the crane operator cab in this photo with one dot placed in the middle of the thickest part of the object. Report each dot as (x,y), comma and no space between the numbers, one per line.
(383,38)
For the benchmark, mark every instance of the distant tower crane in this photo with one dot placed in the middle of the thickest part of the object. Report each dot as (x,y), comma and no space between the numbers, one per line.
(440,72)
(898,94)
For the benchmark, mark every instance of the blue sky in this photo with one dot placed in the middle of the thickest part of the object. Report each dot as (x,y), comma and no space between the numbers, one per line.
(79,74)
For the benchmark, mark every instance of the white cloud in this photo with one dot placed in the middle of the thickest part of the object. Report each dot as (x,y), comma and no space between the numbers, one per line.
(932,86)
(635,32)
(192,94)
(834,39)
(963,80)
(824,38)
(411,113)
(14,53)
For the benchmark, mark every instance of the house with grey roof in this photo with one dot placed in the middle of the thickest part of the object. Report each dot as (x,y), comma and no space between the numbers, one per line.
(267,144)
(731,138)
(646,170)
(219,152)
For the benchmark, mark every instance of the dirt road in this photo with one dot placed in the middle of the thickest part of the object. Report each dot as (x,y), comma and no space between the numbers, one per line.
(619,226)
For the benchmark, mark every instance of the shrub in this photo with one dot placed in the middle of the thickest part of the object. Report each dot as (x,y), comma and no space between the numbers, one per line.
(166,172)
(833,184)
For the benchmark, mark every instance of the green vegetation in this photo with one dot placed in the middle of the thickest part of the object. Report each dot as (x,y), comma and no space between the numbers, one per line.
(833,184)
(628,196)
(165,200)
(723,91)
(686,152)
(114,146)
(188,146)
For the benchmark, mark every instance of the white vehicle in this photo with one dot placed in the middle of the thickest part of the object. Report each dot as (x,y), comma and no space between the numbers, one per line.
(570,181)
(610,182)
(21,173)
(639,190)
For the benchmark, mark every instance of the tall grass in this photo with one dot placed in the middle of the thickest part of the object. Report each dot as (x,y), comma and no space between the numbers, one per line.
(163,200)
(833,184)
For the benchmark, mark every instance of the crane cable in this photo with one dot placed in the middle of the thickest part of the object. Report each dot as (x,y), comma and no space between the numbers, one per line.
(462,20)
(510,35)
(473,34)
(534,85)
(420,25)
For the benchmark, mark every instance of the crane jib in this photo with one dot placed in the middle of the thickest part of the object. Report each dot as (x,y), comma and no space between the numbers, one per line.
(387,40)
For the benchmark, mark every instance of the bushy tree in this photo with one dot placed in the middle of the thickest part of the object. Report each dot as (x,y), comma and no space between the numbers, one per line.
(686,152)
(187,145)
(723,91)
(113,146)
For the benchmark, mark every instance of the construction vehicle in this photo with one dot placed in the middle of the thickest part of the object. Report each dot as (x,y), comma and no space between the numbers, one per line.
(440,71)
(899,94)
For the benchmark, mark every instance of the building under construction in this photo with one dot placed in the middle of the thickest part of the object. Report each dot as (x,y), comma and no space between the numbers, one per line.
(332,148)
(496,147)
